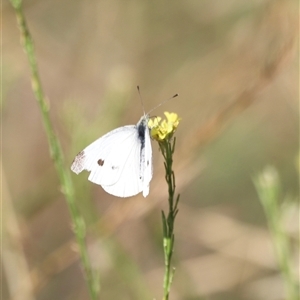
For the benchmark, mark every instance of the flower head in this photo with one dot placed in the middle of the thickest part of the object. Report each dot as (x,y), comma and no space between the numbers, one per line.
(163,129)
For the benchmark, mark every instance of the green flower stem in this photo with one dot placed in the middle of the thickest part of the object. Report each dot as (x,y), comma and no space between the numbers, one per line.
(56,153)
(268,188)
(167,148)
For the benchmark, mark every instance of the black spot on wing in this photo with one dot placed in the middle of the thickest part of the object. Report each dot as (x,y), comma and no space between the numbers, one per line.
(100,162)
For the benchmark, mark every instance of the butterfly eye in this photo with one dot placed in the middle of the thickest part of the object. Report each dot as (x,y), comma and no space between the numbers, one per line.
(100,162)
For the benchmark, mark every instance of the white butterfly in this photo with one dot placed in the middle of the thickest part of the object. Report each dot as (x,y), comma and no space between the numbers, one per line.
(120,161)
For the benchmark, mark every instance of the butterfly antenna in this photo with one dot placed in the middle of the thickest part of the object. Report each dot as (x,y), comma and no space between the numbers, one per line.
(141,99)
(160,104)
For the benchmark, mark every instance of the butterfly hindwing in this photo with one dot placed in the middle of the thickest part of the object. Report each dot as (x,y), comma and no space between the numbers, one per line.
(129,182)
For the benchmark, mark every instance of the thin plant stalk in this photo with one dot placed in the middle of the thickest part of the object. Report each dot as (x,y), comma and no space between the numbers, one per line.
(268,188)
(167,148)
(56,153)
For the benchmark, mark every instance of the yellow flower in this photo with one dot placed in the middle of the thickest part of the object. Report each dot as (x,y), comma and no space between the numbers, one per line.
(172,119)
(162,129)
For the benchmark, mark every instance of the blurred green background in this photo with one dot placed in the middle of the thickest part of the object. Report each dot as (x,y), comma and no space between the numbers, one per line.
(91,56)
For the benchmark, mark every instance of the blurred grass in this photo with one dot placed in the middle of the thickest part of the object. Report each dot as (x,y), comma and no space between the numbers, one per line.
(91,277)
(268,187)
(91,58)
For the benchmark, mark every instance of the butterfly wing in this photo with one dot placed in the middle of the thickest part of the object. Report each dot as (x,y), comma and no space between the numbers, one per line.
(114,162)
(97,157)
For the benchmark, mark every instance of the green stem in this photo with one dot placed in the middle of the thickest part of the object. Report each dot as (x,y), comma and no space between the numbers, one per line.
(268,188)
(56,151)
(167,150)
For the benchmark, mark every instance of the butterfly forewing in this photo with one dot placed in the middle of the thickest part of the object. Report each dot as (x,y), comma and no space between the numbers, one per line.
(101,159)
